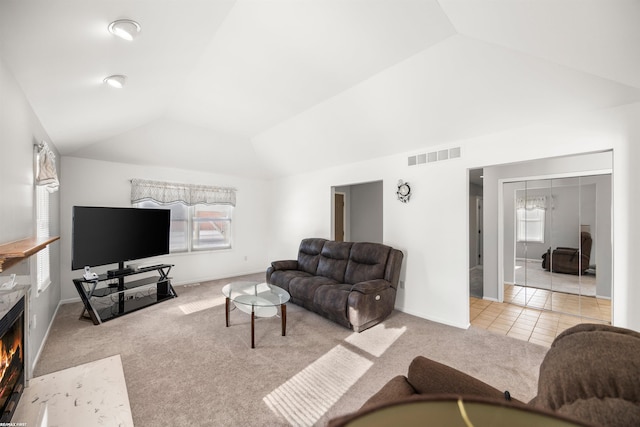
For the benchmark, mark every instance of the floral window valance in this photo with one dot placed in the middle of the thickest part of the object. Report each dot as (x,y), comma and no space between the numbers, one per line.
(536,202)
(46,174)
(188,194)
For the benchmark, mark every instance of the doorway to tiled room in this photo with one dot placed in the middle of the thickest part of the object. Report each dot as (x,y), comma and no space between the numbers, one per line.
(554,233)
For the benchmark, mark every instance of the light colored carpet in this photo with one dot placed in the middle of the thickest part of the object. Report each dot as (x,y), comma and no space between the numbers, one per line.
(183,367)
(533,275)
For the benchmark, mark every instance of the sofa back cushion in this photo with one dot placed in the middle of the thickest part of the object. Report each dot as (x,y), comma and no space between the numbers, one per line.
(333,260)
(309,254)
(367,261)
(589,363)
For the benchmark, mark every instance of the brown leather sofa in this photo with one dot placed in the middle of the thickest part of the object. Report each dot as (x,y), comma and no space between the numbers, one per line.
(591,374)
(569,260)
(353,284)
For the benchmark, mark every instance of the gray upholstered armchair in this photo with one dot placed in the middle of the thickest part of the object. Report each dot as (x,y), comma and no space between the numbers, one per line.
(591,375)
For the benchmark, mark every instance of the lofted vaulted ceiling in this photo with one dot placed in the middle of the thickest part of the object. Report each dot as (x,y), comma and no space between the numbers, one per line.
(262,88)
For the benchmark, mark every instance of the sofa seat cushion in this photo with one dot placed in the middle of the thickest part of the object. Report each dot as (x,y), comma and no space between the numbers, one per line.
(282,278)
(367,261)
(331,301)
(303,289)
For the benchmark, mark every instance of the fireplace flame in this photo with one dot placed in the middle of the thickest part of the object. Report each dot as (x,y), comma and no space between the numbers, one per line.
(9,346)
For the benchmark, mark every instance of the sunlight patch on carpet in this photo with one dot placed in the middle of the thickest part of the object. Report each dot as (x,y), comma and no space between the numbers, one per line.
(376,340)
(196,306)
(308,395)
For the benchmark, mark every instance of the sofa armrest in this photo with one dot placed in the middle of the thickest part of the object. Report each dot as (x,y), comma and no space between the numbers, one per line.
(396,389)
(285,265)
(427,376)
(371,286)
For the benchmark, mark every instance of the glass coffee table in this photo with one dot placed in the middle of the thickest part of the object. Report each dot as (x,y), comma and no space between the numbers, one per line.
(258,300)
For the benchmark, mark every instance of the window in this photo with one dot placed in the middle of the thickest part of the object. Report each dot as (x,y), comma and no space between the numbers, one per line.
(46,180)
(530,225)
(201,215)
(211,227)
(196,228)
(43,277)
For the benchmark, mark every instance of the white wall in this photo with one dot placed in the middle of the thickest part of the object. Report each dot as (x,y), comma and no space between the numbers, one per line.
(20,129)
(432,229)
(96,183)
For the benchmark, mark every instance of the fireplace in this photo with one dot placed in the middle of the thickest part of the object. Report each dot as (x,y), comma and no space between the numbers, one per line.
(11,360)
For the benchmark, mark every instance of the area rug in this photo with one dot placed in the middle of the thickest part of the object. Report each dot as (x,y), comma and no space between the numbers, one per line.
(91,394)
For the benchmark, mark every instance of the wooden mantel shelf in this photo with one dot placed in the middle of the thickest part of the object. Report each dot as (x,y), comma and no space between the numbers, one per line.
(14,252)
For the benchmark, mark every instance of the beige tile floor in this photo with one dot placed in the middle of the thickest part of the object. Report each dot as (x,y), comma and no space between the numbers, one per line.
(544,317)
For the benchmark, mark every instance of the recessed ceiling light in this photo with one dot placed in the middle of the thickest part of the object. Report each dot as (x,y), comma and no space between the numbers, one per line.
(116,81)
(125,29)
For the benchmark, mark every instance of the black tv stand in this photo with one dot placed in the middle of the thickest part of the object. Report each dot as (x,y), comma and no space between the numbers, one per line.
(110,295)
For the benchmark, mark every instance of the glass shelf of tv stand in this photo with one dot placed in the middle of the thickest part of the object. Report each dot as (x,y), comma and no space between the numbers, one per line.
(110,296)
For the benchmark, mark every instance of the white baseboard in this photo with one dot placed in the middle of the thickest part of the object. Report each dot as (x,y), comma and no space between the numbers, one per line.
(433,319)
(44,340)
(69,300)
(209,279)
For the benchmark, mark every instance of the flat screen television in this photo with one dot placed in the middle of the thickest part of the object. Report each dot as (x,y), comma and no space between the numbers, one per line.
(105,235)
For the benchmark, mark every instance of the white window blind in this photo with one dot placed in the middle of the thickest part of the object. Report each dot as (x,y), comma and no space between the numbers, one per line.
(46,174)
(43,278)
(187,194)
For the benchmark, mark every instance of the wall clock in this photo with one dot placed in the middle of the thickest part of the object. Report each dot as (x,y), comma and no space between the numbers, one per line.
(404,191)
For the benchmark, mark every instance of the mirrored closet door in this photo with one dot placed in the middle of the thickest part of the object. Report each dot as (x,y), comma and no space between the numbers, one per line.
(560,229)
